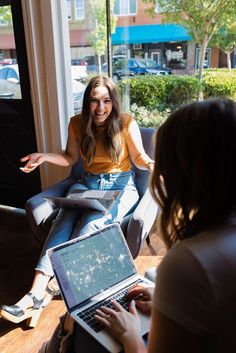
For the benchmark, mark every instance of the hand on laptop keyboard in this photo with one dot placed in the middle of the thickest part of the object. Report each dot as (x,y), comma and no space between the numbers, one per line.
(118,321)
(143,298)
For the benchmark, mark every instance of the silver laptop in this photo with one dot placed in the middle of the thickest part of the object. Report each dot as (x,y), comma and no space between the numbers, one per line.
(91,271)
(100,200)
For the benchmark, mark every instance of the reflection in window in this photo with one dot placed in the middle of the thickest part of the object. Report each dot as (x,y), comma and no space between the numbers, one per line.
(125,7)
(175,55)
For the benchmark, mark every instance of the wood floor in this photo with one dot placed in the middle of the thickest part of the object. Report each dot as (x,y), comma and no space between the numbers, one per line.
(18,255)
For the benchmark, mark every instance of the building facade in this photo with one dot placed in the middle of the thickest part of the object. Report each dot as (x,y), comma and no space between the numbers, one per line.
(136,35)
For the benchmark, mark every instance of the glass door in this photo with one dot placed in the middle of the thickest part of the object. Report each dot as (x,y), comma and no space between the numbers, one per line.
(17,131)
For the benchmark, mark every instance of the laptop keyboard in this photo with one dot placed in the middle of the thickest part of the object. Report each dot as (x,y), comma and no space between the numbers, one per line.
(87,315)
(104,201)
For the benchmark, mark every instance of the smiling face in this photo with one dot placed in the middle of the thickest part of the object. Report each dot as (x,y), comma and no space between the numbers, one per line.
(100,105)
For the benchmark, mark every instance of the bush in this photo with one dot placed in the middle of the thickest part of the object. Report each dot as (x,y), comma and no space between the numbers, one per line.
(152,98)
(181,90)
(219,83)
(148,91)
(160,92)
(146,118)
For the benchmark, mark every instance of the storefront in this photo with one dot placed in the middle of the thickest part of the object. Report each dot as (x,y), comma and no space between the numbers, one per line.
(166,44)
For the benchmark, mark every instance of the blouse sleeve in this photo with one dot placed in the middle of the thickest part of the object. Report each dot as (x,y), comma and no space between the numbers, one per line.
(73,141)
(135,146)
(183,292)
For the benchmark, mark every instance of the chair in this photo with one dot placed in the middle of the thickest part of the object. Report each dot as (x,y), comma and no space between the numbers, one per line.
(136,226)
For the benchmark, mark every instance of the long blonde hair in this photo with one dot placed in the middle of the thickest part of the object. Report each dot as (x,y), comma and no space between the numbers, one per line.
(114,123)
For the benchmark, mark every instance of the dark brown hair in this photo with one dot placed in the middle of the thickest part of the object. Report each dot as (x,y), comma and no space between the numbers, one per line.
(114,123)
(195,154)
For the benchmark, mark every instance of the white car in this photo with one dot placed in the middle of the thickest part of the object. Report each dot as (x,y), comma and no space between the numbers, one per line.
(79,72)
(78,95)
(10,86)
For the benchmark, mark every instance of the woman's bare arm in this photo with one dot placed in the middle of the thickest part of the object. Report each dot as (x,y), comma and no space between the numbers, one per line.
(136,149)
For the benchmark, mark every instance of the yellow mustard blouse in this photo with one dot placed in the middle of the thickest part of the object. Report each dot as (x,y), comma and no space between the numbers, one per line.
(102,162)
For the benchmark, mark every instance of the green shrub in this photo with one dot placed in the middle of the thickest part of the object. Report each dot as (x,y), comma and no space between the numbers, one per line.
(219,83)
(152,98)
(147,91)
(181,90)
(160,92)
(146,118)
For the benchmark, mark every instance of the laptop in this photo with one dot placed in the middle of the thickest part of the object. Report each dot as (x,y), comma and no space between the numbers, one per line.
(99,200)
(91,271)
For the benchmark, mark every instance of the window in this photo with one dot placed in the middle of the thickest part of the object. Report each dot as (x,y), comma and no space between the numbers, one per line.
(79,9)
(125,7)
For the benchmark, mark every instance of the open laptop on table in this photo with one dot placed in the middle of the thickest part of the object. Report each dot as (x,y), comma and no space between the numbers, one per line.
(100,200)
(91,271)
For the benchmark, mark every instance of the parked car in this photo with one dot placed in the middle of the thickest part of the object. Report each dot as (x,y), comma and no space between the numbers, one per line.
(9,61)
(117,72)
(10,87)
(79,62)
(79,72)
(78,89)
(130,67)
(92,69)
(142,66)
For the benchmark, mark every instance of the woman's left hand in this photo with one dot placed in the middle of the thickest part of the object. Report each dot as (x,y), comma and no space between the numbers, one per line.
(122,325)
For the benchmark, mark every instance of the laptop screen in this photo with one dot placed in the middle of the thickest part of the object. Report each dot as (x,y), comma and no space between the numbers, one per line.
(87,266)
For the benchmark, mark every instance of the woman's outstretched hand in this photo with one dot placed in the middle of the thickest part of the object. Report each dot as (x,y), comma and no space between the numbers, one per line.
(33,161)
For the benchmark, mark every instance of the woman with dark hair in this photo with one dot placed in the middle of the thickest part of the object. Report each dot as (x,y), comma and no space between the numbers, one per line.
(107,140)
(194,182)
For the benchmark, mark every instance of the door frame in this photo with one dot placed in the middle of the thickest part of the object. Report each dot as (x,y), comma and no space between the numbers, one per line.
(48,51)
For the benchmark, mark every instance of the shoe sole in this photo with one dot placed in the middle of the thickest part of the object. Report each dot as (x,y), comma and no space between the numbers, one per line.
(31,315)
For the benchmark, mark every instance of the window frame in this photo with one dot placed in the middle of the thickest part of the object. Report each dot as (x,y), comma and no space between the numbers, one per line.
(48,51)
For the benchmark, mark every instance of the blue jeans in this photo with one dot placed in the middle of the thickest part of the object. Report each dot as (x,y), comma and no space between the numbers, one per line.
(71,223)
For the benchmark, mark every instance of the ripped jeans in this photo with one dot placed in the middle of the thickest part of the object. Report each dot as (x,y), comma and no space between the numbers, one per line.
(71,223)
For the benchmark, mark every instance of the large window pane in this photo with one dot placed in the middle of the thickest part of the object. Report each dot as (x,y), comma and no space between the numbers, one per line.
(141,46)
(9,71)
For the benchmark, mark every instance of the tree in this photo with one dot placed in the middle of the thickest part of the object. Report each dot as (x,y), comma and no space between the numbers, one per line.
(225,39)
(5,14)
(98,36)
(201,18)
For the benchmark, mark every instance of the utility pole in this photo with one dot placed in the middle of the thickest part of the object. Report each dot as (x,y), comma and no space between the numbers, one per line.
(109,54)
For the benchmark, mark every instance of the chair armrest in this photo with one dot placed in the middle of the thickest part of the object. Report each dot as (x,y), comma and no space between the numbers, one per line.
(151,274)
(40,212)
(141,222)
